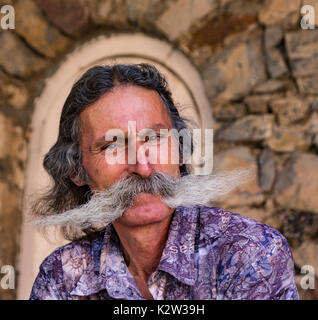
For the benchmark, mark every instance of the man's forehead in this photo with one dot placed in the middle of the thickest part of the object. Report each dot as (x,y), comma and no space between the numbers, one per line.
(116,109)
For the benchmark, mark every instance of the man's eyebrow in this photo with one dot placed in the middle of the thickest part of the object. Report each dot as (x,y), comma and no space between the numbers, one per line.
(148,131)
(155,127)
(159,126)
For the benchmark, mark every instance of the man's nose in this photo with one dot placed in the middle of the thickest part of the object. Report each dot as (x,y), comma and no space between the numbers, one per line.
(141,166)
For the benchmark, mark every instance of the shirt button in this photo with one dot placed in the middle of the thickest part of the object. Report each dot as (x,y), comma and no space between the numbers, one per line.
(129,292)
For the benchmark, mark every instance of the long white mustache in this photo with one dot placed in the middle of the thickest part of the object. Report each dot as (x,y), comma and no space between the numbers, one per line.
(107,206)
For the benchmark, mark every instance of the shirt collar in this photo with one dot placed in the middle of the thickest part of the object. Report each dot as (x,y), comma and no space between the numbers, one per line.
(180,246)
(107,268)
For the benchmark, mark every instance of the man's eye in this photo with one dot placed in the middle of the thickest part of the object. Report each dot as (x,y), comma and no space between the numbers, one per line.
(154,138)
(109,146)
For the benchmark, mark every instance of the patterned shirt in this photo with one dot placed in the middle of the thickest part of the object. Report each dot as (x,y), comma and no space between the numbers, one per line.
(210,253)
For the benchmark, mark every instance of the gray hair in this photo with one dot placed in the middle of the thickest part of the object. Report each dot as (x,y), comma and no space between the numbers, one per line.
(106,206)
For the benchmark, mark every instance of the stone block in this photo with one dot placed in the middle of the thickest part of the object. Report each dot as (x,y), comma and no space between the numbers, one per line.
(177,19)
(302,51)
(308,85)
(248,128)
(275,62)
(306,254)
(289,110)
(315,140)
(257,103)
(228,111)
(273,36)
(38,33)
(12,142)
(275,221)
(288,139)
(145,13)
(270,86)
(284,12)
(247,194)
(233,73)
(299,226)
(108,13)
(313,128)
(314,105)
(296,186)
(23,63)
(12,92)
(71,16)
(267,170)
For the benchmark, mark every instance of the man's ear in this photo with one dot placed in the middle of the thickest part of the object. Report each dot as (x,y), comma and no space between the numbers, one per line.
(78,181)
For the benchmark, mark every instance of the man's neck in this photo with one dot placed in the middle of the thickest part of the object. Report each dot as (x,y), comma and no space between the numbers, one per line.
(142,246)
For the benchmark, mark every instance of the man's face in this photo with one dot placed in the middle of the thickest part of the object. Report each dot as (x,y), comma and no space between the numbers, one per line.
(113,111)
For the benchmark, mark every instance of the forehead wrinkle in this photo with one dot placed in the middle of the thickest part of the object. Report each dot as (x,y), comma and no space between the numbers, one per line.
(142,100)
(115,120)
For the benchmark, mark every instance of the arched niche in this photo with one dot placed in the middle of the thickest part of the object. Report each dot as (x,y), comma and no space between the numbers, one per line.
(184,82)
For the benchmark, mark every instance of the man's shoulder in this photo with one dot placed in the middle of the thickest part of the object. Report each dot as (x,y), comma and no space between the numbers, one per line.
(252,260)
(78,250)
(60,271)
(229,227)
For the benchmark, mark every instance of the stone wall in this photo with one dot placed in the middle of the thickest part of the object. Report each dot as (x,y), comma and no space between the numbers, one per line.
(260,73)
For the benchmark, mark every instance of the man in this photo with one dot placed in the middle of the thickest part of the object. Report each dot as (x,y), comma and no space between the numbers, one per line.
(149,236)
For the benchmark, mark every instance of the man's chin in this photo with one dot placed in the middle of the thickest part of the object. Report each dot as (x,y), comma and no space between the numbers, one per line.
(146,209)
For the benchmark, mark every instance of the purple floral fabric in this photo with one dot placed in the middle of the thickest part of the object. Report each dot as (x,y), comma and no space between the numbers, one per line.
(210,254)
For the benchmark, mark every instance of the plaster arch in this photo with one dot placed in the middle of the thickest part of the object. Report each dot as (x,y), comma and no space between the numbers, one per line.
(184,81)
